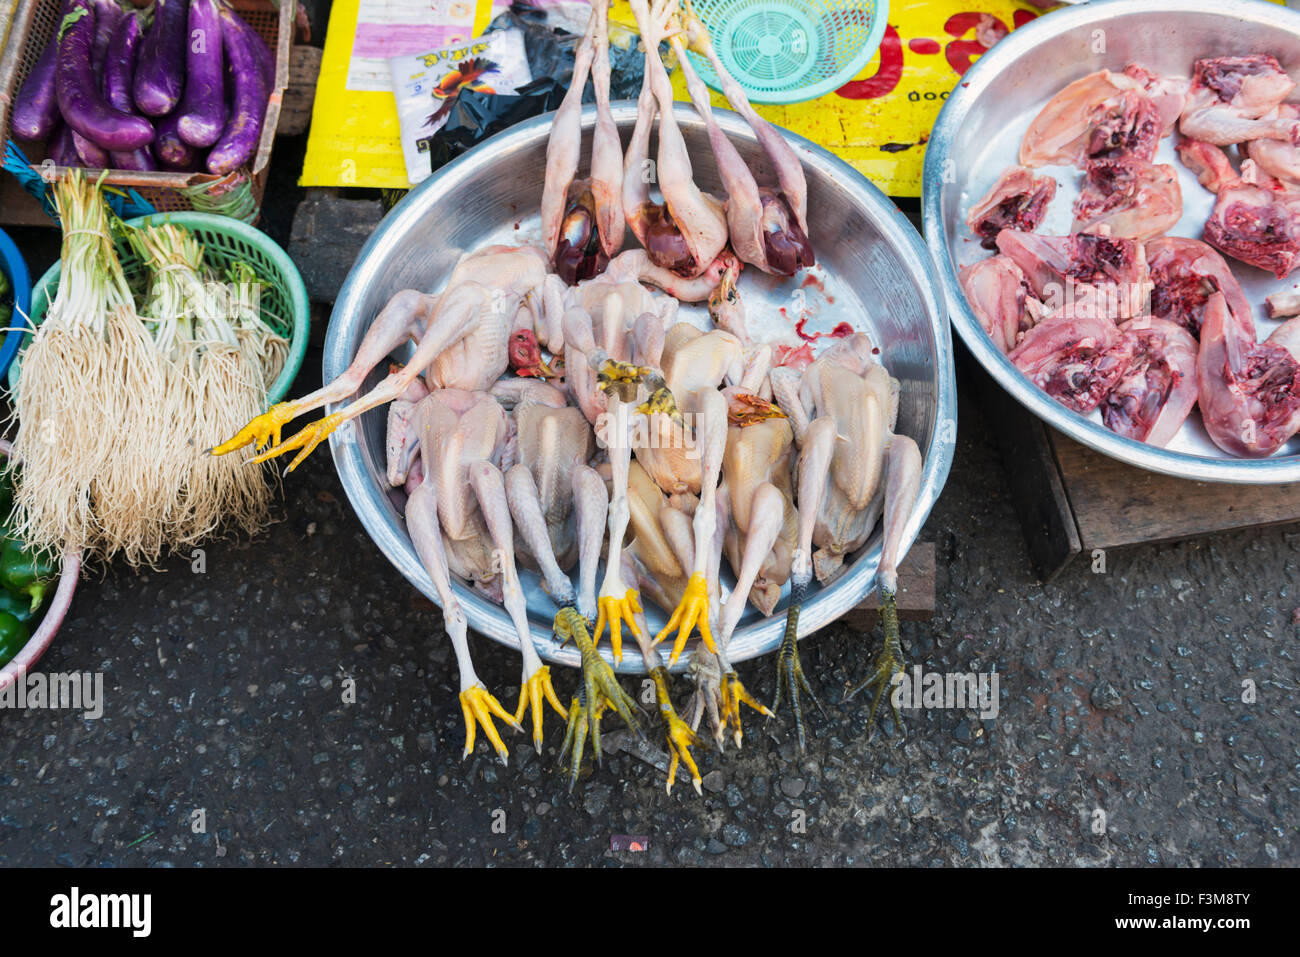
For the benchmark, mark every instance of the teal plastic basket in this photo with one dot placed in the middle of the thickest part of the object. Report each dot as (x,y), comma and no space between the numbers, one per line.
(225,240)
(788,51)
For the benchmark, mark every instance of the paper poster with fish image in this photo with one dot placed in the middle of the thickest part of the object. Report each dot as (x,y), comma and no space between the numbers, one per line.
(426,86)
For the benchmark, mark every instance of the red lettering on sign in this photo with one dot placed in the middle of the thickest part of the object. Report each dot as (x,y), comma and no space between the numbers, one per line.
(888,74)
(924,45)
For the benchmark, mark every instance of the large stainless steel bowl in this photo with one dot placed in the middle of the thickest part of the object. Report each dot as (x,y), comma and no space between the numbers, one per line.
(978,135)
(873,272)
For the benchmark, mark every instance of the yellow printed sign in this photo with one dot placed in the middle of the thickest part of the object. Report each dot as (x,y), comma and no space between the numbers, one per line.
(878,122)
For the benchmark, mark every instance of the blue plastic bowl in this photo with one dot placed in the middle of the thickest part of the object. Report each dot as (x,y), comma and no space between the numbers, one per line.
(15,270)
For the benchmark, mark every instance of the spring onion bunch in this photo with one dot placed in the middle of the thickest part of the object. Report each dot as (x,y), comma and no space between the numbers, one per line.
(118,399)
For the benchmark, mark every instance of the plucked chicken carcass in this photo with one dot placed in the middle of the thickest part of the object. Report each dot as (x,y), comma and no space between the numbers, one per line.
(852,465)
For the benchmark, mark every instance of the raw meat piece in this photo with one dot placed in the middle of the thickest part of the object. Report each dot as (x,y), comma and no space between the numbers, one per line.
(1157,388)
(1017,200)
(1208,162)
(1184,274)
(1136,199)
(1098,116)
(1083,274)
(1256,218)
(1072,360)
(998,291)
(1249,392)
(1230,96)
(1278,158)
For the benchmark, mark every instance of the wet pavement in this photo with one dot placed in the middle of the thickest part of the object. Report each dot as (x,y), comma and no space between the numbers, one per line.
(294,702)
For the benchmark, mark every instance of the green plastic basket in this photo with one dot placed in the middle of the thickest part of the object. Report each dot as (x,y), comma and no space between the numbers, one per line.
(788,51)
(225,240)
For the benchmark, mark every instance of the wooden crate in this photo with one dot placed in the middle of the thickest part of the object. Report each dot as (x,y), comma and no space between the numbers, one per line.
(35,22)
(1072,500)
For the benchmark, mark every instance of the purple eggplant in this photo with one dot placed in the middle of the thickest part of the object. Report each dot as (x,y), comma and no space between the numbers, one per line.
(203,107)
(60,149)
(140,160)
(248,102)
(89,152)
(172,151)
(160,71)
(119,70)
(108,17)
(264,55)
(36,108)
(80,101)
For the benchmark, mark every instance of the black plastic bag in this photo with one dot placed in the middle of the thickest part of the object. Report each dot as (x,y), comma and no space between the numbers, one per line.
(475,116)
(550,52)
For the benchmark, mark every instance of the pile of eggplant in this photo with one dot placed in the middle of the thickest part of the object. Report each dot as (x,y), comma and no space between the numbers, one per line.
(178,85)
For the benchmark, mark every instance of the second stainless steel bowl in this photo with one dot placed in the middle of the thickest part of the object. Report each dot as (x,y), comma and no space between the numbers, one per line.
(978,135)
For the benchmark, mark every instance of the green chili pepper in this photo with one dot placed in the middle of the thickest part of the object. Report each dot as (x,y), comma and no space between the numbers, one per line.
(13,636)
(26,573)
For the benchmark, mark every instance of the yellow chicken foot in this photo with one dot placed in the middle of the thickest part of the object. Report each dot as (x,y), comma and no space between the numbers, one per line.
(694,609)
(263,430)
(616,612)
(307,439)
(691,612)
(623,378)
(479,707)
(680,736)
(532,692)
(661,402)
(733,696)
(575,735)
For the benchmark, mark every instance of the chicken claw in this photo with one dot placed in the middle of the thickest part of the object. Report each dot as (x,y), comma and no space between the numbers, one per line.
(600,689)
(615,611)
(661,402)
(307,439)
(889,662)
(622,378)
(532,693)
(262,431)
(575,735)
(790,678)
(680,736)
(733,696)
(691,612)
(479,706)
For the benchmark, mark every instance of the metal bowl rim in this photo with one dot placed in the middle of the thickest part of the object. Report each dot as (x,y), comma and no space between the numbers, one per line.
(1266,471)
(371,503)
